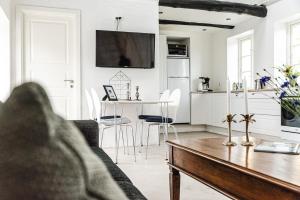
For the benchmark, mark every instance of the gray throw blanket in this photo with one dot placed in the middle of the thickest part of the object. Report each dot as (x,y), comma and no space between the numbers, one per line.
(44,157)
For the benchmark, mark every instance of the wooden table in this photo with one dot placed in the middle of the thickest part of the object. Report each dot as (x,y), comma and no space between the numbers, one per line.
(237,172)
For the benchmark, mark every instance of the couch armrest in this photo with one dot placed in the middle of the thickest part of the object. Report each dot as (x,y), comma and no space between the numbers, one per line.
(90,131)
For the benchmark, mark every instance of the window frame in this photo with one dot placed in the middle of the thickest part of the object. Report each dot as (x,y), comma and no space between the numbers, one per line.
(289,41)
(240,58)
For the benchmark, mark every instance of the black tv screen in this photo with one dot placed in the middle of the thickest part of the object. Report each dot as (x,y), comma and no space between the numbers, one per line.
(125,49)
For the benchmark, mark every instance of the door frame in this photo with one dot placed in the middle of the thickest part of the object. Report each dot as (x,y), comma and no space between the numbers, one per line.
(21,12)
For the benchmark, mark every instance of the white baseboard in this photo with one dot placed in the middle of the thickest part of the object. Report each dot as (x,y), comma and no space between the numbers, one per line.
(181,128)
(222,131)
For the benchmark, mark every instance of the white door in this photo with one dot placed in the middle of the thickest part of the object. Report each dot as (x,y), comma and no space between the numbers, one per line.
(51,55)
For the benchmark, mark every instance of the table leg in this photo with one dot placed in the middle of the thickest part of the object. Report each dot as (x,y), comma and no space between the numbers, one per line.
(174,179)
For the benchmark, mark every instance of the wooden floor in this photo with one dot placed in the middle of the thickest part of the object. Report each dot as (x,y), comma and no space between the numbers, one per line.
(152,176)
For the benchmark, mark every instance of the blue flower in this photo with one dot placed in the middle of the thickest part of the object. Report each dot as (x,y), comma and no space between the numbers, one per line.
(285,84)
(293,77)
(296,103)
(264,80)
(282,95)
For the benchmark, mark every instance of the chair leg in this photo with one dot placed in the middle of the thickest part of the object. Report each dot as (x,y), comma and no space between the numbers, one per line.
(165,139)
(158,135)
(136,130)
(175,131)
(133,144)
(124,147)
(127,139)
(101,134)
(142,133)
(118,144)
(147,141)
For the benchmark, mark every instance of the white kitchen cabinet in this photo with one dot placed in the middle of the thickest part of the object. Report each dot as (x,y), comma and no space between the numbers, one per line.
(210,109)
(199,109)
(238,108)
(217,109)
(266,124)
(266,110)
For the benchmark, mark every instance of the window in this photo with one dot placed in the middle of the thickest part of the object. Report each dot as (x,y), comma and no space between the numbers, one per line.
(295,44)
(240,58)
(245,61)
(4,56)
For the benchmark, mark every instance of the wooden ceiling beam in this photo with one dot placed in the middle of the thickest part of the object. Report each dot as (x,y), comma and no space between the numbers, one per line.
(217,6)
(173,22)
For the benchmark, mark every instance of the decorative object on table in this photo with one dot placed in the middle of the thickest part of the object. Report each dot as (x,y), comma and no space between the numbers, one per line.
(137,93)
(247,117)
(128,91)
(278,147)
(122,85)
(229,118)
(285,86)
(110,92)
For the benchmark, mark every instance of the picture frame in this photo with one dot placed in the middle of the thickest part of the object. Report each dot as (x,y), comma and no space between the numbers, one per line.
(110,93)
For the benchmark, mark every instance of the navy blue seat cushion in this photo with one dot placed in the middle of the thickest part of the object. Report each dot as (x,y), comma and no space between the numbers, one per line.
(110,117)
(147,116)
(159,119)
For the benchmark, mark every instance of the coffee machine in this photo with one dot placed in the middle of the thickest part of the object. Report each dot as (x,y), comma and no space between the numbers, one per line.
(203,85)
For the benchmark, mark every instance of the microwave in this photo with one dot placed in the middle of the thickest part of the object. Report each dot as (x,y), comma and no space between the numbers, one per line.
(178,50)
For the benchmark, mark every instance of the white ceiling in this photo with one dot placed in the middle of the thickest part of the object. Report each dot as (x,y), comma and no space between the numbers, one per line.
(202,16)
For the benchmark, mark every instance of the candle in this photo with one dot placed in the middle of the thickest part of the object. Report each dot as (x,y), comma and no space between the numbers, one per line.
(246,96)
(228,97)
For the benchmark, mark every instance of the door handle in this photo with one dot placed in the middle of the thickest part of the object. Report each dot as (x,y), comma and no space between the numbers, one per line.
(70,81)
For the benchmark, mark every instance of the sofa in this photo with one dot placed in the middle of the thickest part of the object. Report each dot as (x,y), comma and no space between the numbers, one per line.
(90,131)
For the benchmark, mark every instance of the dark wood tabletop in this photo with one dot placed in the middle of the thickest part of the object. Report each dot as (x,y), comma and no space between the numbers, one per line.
(227,168)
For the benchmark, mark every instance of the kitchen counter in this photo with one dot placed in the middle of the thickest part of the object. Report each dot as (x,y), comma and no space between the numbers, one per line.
(236,91)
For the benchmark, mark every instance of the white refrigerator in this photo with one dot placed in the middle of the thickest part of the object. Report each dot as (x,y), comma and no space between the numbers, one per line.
(178,70)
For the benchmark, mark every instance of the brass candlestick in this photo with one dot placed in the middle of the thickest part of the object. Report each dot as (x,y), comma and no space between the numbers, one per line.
(229,120)
(248,119)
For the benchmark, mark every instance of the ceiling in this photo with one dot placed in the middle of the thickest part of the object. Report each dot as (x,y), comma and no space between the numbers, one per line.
(202,16)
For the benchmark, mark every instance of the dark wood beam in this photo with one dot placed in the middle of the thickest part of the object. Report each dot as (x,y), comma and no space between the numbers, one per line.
(172,22)
(217,6)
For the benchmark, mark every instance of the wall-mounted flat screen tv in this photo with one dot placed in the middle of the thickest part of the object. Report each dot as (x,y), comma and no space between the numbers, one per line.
(125,49)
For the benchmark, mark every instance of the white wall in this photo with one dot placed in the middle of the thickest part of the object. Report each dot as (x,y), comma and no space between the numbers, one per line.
(200,52)
(4,49)
(138,16)
(5,5)
(263,40)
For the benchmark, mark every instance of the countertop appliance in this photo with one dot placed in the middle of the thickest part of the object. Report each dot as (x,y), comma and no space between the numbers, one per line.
(177,50)
(204,84)
(179,77)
